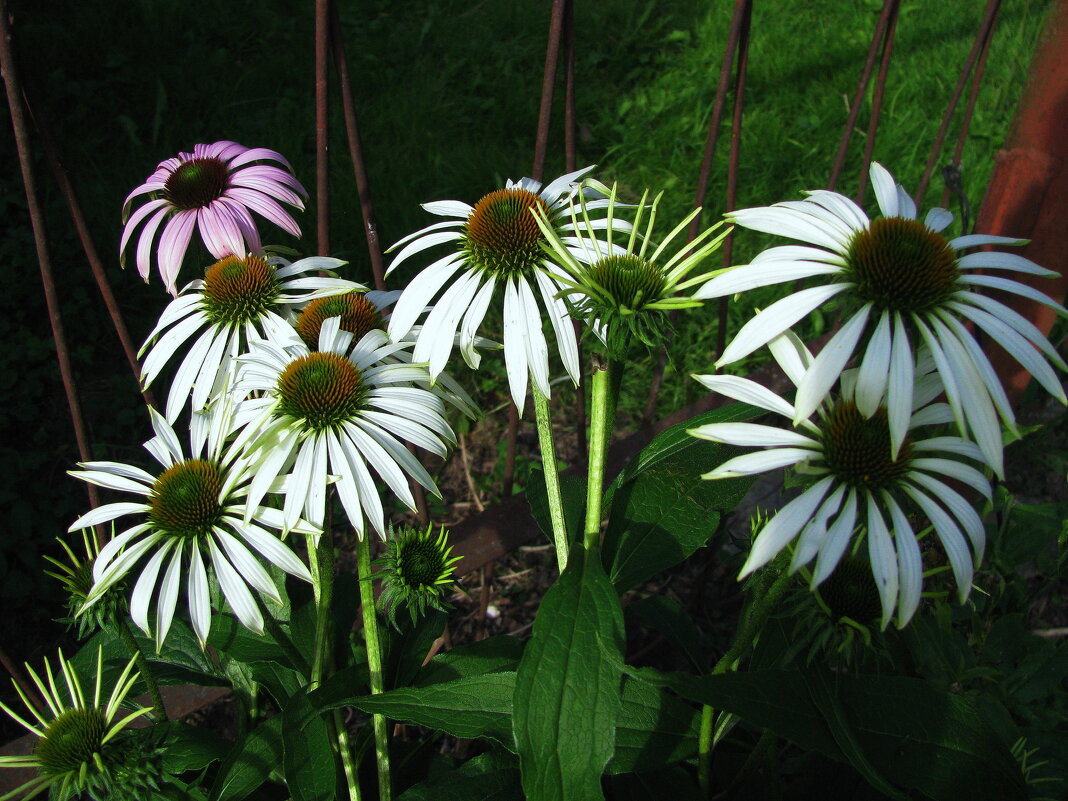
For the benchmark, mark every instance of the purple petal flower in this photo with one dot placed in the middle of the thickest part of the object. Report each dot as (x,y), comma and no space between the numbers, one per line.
(213,189)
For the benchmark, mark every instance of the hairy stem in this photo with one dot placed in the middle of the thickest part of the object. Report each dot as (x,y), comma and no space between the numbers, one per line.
(142,667)
(374,662)
(552,476)
(603,395)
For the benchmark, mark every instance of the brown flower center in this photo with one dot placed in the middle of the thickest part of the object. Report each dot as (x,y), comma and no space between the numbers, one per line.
(501,235)
(358,316)
(196,183)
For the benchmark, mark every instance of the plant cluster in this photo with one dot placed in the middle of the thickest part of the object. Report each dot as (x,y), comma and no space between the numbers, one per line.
(296,402)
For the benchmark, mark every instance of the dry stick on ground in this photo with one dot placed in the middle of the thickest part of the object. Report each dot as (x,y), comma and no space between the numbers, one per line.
(22,145)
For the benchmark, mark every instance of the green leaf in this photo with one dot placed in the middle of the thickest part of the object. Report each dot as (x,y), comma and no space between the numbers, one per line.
(572,497)
(668,618)
(308,759)
(237,642)
(488,777)
(407,649)
(889,721)
(190,747)
(567,690)
(492,655)
(281,682)
(250,762)
(475,706)
(661,509)
(654,729)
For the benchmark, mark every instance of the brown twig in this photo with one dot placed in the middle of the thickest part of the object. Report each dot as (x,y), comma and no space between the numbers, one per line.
(322,126)
(40,238)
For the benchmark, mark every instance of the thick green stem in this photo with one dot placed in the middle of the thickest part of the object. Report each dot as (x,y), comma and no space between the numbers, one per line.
(142,667)
(374,663)
(552,477)
(749,627)
(321,565)
(604,390)
(321,559)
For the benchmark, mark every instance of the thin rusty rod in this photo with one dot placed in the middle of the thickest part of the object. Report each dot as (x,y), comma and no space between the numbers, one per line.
(570,165)
(889,7)
(969,109)
(322,126)
(740,71)
(877,105)
(742,8)
(548,82)
(734,33)
(17,676)
(40,238)
(570,146)
(359,165)
(55,162)
(984,29)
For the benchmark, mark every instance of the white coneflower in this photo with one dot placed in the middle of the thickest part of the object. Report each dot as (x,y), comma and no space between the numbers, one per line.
(336,414)
(906,284)
(237,302)
(195,516)
(496,248)
(857,482)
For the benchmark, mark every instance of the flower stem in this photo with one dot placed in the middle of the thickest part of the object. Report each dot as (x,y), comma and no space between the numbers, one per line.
(374,662)
(753,618)
(604,391)
(142,667)
(552,476)
(321,564)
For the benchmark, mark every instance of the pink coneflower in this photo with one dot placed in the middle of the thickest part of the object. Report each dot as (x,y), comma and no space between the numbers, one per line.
(214,189)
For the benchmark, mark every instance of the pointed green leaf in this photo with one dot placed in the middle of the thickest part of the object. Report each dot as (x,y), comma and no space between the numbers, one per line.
(572,497)
(654,729)
(308,752)
(488,777)
(661,509)
(249,763)
(492,655)
(567,691)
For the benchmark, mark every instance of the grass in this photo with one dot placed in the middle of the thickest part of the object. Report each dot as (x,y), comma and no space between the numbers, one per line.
(448,98)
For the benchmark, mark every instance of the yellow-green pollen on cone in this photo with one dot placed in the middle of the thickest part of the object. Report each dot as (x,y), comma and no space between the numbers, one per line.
(196,183)
(501,235)
(358,316)
(238,291)
(322,389)
(71,740)
(901,265)
(857,449)
(627,281)
(184,501)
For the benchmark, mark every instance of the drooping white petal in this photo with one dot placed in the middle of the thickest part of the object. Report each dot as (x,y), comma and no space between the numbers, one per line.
(1010,317)
(785,525)
(269,546)
(168,594)
(838,536)
(846,209)
(182,384)
(383,464)
(999,260)
(566,343)
(938,219)
(791,354)
(106,513)
(751,434)
(421,244)
(758,274)
(246,564)
(952,541)
(900,386)
(418,294)
(448,208)
(909,562)
(515,351)
(438,334)
(875,369)
(1015,287)
(534,338)
(982,366)
(146,583)
(883,560)
(235,591)
(828,365)
(814,533)
(476,313)
(962,510)
(775,319)
(299,483)
(197,592)
(746,391)
(786,222)
(759,462)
